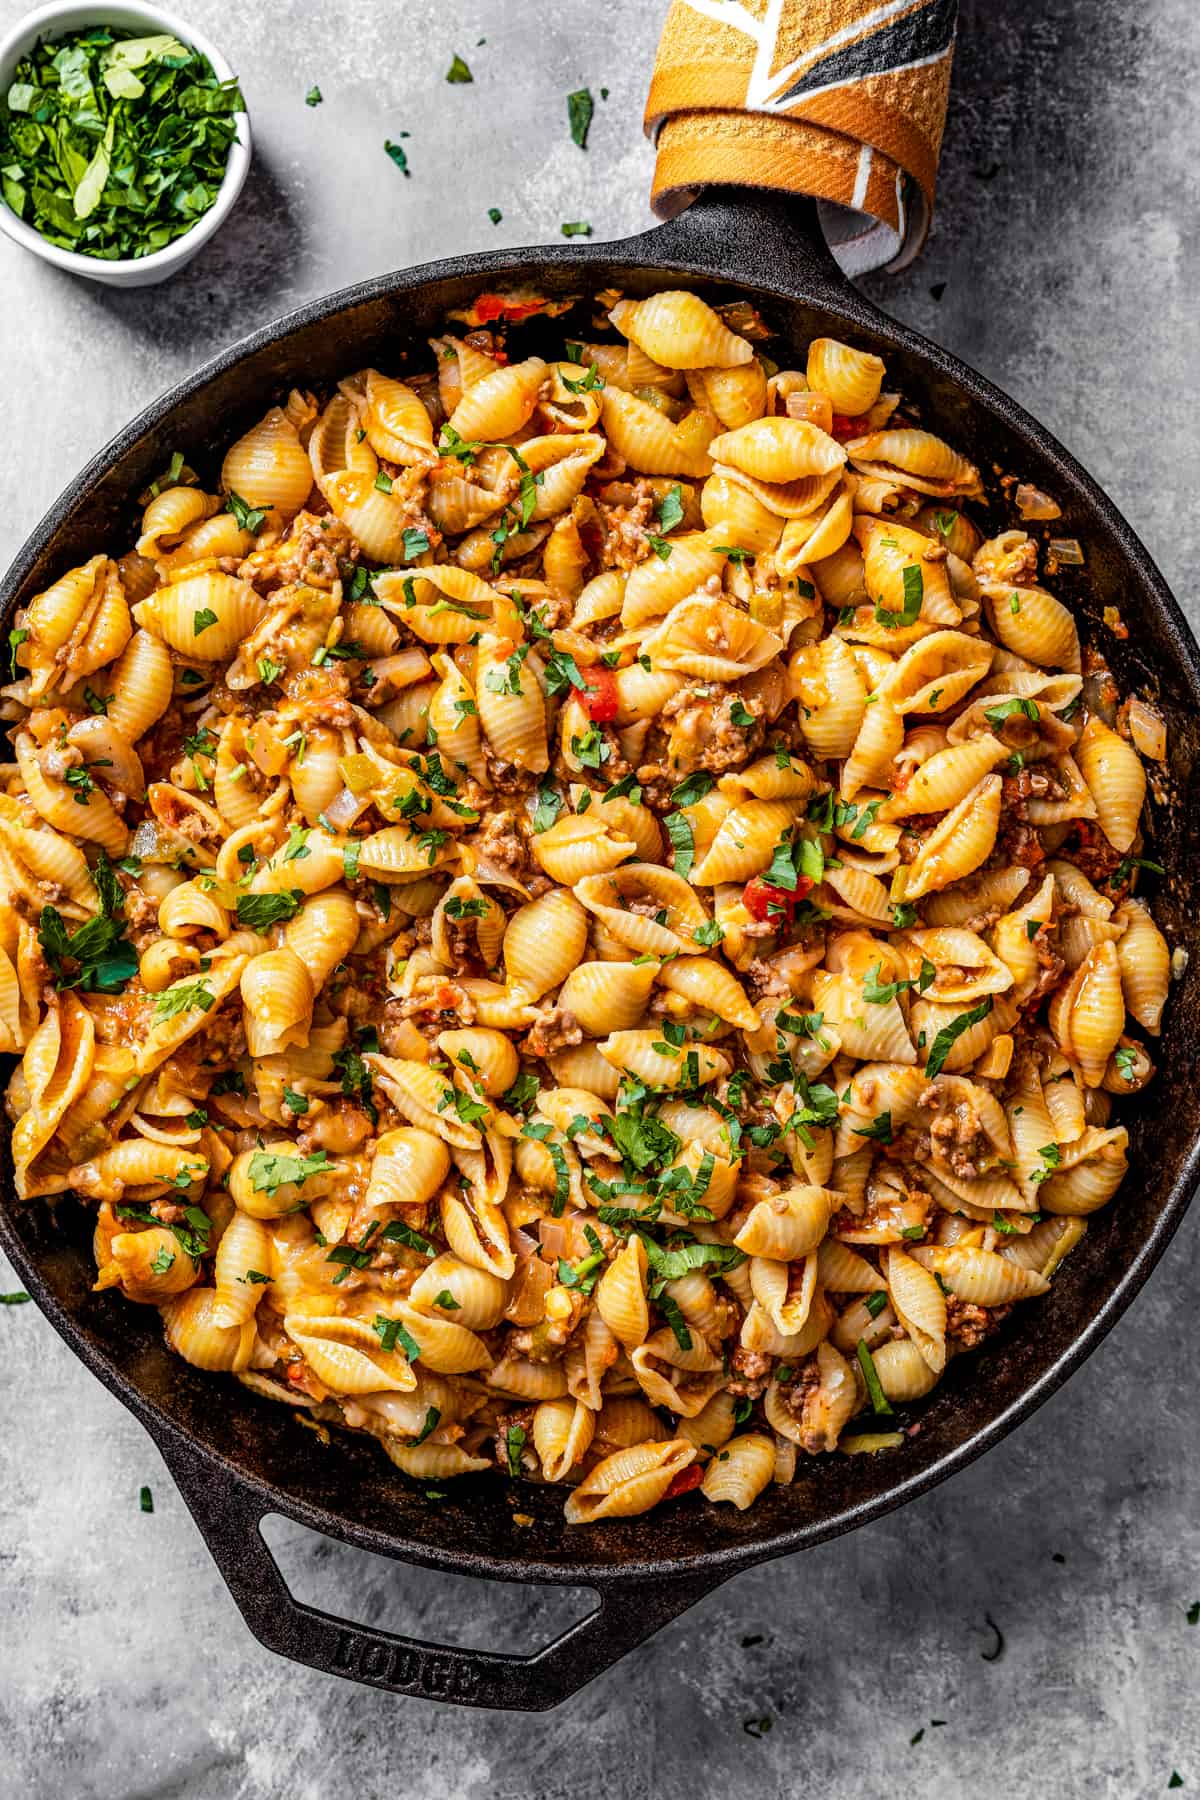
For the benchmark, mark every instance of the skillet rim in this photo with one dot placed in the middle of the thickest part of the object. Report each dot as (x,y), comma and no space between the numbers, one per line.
(789,263)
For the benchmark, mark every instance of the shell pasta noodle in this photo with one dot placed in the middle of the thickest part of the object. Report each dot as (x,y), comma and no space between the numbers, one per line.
(576,912)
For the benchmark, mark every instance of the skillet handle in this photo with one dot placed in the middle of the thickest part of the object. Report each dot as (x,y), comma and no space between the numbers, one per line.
(229,1516)
(765,240)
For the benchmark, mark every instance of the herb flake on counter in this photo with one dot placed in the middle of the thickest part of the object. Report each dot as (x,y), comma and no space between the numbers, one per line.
(19,1298)
(458,74)
(997,1651)
(580,107)
(146,1500)
(113,145)
(495,215)
(314,96)
(576,228)
(396,152)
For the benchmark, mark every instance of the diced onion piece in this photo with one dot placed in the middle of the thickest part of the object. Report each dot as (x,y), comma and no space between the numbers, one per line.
(1147,731)
(1033,504)
(1066,551)
(345,808)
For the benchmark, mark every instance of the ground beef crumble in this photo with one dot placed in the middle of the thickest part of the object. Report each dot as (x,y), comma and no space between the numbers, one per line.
(967,1325)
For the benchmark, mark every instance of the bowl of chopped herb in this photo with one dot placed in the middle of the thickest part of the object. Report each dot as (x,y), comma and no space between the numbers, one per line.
(124,140)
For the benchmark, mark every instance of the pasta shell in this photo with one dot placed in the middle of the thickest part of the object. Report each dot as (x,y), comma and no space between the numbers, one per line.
(543,943)
(791,1224)
(193,1331)
(919,1304)
(269,466)
(611,899)
(607,996)
(852,378)
(643,1055)
(1116,781)
(630,1481)
(409,1167)
(679,330)
(778,450)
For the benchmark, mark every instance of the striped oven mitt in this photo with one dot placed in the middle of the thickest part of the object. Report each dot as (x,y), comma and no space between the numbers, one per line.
(841,99)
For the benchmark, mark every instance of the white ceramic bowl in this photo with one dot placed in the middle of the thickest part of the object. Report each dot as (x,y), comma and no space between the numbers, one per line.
(54,21)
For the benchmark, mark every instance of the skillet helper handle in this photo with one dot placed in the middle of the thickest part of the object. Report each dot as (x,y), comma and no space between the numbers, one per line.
(230,1515)
(841,100)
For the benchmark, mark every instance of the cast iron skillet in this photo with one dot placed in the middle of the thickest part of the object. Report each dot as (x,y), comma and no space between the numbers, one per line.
(237,1458)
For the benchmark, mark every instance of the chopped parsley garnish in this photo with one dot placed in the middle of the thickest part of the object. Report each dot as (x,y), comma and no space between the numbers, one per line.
(880,1129)
(514,1443)
(741,716)
(458,908)
(592,382)
(523,1092)
(562,672)
(914,593)
(669,1265)
(400,1233)
(391,1334)
(693,788)
(591,750)
(202,618)
(580,107)
(96,957)
(1051,1157)
(682,842)
(258,912)
(672,1312)
(16,638)
(878,993)
(114,144)
(270,1170)
(866,1362)
(996,715)
(946,1038)
(249,518)
(193,1232)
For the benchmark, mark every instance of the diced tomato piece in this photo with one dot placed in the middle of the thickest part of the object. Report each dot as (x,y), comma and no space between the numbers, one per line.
(764,901)
(500,306)
(599,697)
(844,428)
(688,1478)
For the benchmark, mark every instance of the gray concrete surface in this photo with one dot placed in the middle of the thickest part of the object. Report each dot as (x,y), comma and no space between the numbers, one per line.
(1067,243)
